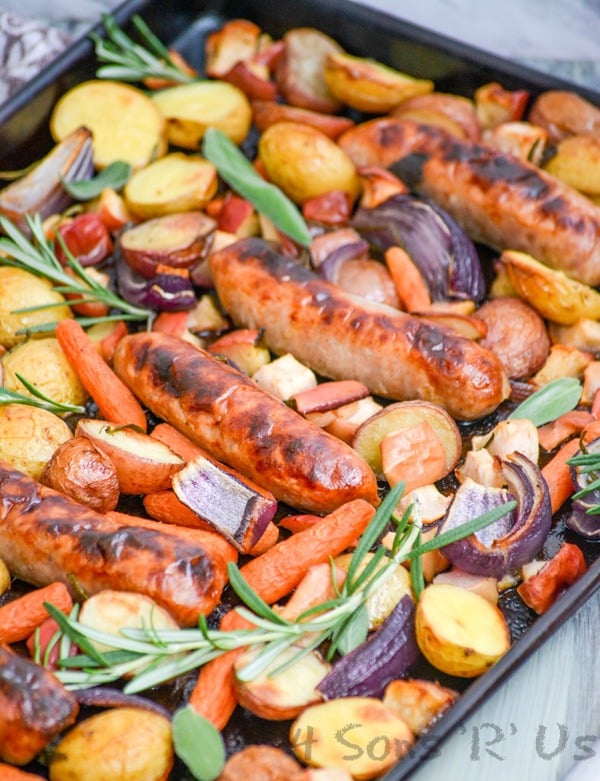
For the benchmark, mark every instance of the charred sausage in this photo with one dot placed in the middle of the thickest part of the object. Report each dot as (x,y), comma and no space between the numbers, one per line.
(45,537)
(228,415)
(34,708)
(499,199)
(395,355)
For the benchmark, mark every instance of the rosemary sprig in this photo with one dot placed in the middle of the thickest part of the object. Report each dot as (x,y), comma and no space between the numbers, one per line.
(166,654)
(128,61)
(40,400)
(38,257)
(587,464)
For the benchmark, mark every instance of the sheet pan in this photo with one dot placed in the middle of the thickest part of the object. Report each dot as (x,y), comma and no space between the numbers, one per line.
(454,67)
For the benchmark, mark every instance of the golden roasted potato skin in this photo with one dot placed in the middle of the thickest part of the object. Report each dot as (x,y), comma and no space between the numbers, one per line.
(20,289)
(122,744)
(29,436)
(43,363)
(83,472)
(305,163)
(577,163)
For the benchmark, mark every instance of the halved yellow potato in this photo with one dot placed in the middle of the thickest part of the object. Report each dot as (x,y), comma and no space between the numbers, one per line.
(460,632)
(189,109)
(126,125)
(368,85)
(577,162)
(305,163)
(175,183)
(357,734)
(552,293)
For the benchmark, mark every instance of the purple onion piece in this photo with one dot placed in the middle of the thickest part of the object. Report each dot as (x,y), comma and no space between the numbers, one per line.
(513,540)
(106,697)
(580,520)
(388,654)
(444,254)
(235,507)
(167,292)
(585,524)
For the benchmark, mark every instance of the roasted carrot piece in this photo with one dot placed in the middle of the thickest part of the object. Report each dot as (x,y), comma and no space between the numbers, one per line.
(557,472)
(11,773)
(268,538)
(107,345)
(315,588)
(282,567)
(114,399)
(177,441)
(164,506)
(409,283)
(22,616)
(299,523)
(554,433)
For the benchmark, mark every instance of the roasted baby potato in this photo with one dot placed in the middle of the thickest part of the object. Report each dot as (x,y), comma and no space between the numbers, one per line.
(122,744)
(5,578)
(189,109)
(563,113)
(86,474)
(19,290)
(305,162)
(577,163)
(454,113)
(29,436)
(459,632)
(43,363)
(175,183)
(418,702)
(125,123)
(368,85)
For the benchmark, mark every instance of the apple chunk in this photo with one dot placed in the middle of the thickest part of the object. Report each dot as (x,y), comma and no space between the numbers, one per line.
(144,465)
(460,632)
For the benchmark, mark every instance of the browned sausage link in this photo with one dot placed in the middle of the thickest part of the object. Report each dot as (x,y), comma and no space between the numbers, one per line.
(34,708)
(340,336)
(226,413)
(45,536)
(499,199)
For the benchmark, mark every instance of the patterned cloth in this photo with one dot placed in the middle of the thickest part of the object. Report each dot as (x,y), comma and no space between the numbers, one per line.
(26,45)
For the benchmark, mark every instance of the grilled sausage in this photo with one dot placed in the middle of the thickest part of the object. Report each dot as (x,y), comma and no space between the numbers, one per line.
(238,423)
(45,536)
(499,199)
(395,355)
(34,708)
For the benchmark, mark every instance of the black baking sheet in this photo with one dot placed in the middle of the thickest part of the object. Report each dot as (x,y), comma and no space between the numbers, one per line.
(455,67)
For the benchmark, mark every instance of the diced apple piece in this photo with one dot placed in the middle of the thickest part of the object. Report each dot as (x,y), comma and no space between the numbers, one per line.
(402,416)
(478,584)
(418,702)
(415,454)
(459,632)
(110,206)
(280,695)
(495,105)
(511,436)
(143,464)
(238,216)
(346,420)
(236,40)
(245,348)
(482,467)
(521,139)
(426,502)
(207,317)
(285,377)
(378,184)
(562,361)
(357,734)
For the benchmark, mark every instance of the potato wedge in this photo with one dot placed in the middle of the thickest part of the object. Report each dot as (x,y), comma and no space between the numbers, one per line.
(299,73)
(125,123)
(357,734)
(175,183)
(418,702)
(284,695)
(382,601)
(454,113)
(29,436)
(404,415)
(245,347)
(552,293)
(305,162)
(368,85)
(178,240)
(577,163)
(189,109)
(144,465)
(459,632)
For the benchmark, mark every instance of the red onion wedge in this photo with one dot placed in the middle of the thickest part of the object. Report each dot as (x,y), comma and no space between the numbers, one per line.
(388,654)
(513,540)
(106,697)
(238,509)
(170,290)
(584,518)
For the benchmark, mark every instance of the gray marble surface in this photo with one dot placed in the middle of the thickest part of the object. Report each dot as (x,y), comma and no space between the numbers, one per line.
(544,723)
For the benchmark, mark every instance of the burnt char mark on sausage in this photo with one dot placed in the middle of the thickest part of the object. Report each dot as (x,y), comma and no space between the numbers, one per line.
(13,493)
(279,266)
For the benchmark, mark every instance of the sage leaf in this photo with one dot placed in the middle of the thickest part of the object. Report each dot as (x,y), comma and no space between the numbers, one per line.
(115,176)
(550,402)
(198,744)
(235,168)
(354,631)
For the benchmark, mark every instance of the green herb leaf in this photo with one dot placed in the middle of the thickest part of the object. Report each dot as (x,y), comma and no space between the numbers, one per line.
(354,632)
(234,167)
(115,175)
(198,744)
(550,402)
(416,572)
(69,628)
(40,400)
(250,597)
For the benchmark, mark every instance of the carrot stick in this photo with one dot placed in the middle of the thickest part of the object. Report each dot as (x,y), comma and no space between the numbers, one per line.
(299,523)
(267,539)
(282,567)
(565,426)
(409,283)
(557,471)
(315,588)
(107,346)
(22,616)
(177,441)
(10,773)
(165,506)
(114,399)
